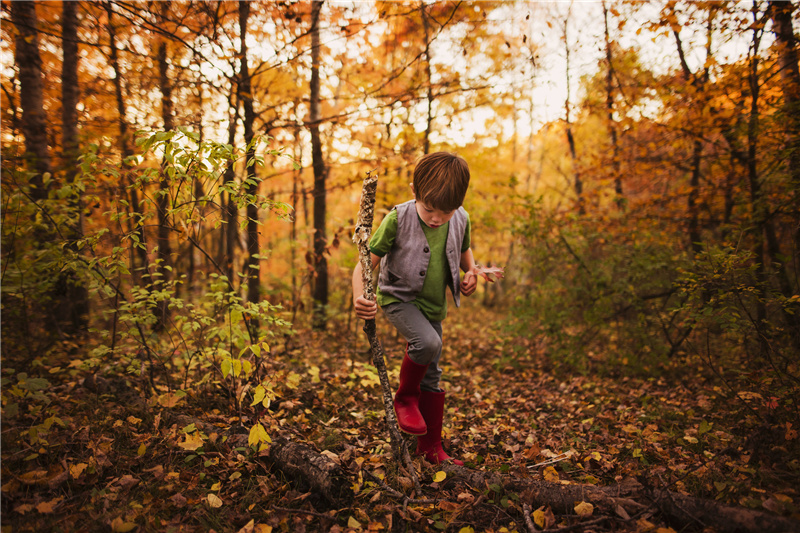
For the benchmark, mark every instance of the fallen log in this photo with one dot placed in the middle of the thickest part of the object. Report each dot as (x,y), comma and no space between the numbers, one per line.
(311,470)
(316,472)
(678,510)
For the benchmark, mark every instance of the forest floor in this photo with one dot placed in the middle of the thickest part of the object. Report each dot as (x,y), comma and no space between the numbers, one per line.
(83,454)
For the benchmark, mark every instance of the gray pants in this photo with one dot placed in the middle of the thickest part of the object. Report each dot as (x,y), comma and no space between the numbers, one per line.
(424,339)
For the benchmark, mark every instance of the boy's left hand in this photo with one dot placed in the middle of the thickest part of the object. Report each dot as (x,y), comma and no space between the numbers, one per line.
(469,283)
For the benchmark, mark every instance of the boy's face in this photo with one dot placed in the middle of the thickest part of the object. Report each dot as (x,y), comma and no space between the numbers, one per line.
(433,218)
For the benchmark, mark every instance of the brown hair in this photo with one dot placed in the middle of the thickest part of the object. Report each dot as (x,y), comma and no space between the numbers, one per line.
(441,180)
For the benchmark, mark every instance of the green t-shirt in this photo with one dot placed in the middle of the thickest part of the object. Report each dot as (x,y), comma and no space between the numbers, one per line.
(432,299)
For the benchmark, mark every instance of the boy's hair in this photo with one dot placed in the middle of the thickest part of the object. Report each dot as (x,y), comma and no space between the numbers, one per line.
(441,180)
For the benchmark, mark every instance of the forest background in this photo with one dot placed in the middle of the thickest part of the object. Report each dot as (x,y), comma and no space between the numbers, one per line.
(180,182)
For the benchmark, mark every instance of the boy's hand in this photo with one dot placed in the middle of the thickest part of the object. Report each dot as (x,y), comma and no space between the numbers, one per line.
(469,283)
(365,309)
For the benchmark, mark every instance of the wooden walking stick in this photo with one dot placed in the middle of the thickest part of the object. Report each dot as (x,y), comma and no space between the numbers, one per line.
(361,236)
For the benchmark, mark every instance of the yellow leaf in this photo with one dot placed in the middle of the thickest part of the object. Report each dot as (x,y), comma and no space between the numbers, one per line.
(132,420)
(467,529)
(584,509)
(171,399)
(550,474)
(214,501)
(77,470)
(142,449)
(439,476)
(34,476)
(538,517)
(23,508)
(293,380)
(248,527)
(258,395)
(192,442)
(48,507)
(118,525)
(352,522)
(258,435)
(262,528)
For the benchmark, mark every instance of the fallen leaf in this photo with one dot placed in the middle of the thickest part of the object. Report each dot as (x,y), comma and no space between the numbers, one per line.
(248,527)
(127,481)
(550,474)
(33,477)
(76,470)
(466,498)
(214,501)
(539,518)
(48,507)
(192,442)
(352,522)
(178,500)
(171,399)
(118,525)
(439,476)
(23,508)
(584,509)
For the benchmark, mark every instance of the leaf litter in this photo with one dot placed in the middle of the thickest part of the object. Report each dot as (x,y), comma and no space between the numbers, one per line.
(187,461)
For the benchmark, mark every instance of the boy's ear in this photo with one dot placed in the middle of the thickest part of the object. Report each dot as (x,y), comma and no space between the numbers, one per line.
(413,192)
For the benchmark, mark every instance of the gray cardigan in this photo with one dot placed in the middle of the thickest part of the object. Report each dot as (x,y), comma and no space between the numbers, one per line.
(403,269)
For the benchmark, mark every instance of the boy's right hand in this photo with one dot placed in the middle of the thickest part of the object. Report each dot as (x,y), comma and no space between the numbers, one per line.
(365,309)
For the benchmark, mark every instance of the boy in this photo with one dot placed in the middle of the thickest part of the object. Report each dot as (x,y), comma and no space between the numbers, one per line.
(421,244)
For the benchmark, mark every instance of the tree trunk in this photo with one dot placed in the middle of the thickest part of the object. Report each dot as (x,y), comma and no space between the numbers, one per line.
(612,125)
(137,227)
(297,187)
(253,268)
(230,235)
(34,121)
(164,254)
(578,184)
(697,151)
(790,86)
(70,93)
(74,311)
(320,195)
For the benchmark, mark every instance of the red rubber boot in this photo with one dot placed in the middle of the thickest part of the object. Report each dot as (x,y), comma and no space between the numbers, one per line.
(431,405)
(406,400)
